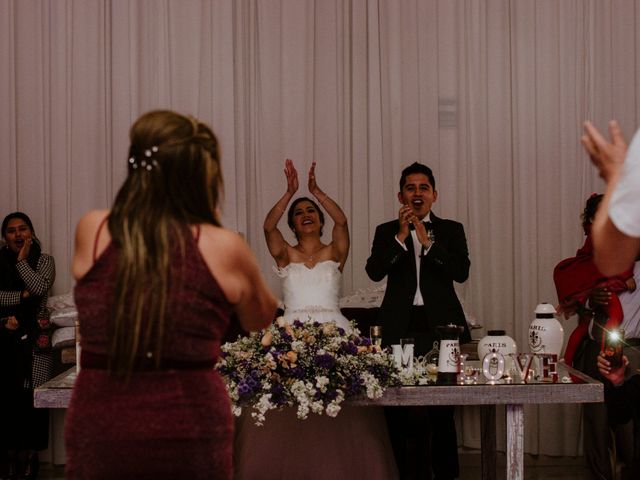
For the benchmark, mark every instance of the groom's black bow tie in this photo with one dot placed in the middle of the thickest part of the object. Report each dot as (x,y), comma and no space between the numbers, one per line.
(427,225)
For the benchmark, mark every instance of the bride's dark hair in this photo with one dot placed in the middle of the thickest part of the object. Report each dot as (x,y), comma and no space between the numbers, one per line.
(293,207)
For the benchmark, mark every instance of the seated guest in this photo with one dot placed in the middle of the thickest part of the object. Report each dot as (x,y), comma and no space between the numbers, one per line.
(26,275)
(577,278)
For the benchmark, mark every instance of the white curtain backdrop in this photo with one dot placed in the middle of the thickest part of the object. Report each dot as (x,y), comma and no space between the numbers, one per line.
(491,94)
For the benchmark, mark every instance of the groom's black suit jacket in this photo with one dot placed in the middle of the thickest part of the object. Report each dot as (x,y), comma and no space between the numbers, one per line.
(447,261)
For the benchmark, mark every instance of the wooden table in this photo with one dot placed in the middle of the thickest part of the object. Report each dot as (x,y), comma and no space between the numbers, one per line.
(57,393)
(513,396)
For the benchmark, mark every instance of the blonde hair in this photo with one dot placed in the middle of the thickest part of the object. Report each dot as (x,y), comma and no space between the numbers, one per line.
(154,207)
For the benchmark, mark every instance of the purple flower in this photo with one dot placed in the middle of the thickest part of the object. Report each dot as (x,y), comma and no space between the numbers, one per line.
(252,383)
(326,396)
(278,394)
(349,348)
(325,361)
(354,385)
(244,390)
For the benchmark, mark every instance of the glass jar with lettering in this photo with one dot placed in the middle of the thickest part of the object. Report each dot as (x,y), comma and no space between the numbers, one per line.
(497,341)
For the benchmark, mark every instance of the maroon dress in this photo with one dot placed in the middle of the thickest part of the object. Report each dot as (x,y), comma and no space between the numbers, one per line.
(175,422)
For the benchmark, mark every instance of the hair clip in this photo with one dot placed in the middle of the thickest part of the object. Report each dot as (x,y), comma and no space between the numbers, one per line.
(148,162)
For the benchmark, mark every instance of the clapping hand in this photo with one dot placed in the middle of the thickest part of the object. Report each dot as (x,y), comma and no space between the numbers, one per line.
(405,217)
(614,375)
(607,156)
(313,186)
(292,176)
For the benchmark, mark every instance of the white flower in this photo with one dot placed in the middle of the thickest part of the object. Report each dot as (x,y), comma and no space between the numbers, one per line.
(333,409)
(321,383)
(317,407)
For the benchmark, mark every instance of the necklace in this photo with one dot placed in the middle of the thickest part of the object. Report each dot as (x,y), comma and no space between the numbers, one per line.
(311,256)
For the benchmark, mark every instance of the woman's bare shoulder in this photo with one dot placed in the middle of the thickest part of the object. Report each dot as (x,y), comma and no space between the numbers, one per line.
(219,234)
(219,240)
(86,244)
(91,220)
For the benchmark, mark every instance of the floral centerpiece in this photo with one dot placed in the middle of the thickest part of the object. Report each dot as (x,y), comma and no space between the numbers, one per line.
(312,366)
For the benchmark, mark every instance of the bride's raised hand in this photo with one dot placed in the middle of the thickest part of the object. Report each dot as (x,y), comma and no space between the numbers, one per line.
(292,176)
(313,186)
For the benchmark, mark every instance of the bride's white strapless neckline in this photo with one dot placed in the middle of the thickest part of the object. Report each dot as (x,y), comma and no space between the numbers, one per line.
(312,293)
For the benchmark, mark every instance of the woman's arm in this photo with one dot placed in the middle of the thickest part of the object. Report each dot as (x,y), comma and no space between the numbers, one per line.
(256,307)
(614,251)
(233,264)
(275,241)
(38,282)
(9,298)
(340,234)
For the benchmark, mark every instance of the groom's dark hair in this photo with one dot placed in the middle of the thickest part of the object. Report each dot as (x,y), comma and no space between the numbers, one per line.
(293,207)
(416,167)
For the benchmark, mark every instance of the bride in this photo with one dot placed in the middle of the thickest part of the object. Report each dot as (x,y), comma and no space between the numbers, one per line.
(356,441)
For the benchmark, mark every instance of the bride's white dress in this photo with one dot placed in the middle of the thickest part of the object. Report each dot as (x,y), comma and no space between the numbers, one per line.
(354,444)
(311,294)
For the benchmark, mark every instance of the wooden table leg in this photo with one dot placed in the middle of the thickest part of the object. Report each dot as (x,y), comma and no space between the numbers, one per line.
(488,441)
(515,442)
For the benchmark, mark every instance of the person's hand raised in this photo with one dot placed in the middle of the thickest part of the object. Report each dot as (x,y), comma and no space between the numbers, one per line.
(607,156)
(26,249)
(313,186)
(614,375)
(405,217)
(292,176)
(421,232)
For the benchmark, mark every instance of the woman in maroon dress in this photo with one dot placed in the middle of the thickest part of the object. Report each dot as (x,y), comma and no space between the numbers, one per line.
(158,282)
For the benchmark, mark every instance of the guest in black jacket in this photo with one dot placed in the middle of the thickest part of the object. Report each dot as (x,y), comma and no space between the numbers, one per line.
(421,255)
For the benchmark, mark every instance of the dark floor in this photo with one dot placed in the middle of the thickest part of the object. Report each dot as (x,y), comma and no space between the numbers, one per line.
(536,468)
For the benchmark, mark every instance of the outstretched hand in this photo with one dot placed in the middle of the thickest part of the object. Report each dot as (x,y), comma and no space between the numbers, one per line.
(292,176)
(607,156)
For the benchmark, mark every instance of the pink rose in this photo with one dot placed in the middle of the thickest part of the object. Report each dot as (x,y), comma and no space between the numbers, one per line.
(42,341)
(44,322)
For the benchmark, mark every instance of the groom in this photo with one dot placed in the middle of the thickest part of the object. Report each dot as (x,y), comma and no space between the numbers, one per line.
(421,255)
